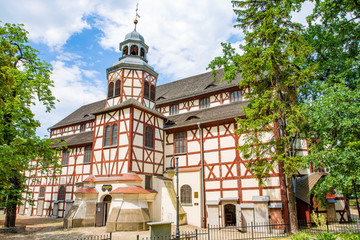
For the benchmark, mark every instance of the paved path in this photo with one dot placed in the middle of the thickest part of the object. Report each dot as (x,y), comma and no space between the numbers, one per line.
(49,228)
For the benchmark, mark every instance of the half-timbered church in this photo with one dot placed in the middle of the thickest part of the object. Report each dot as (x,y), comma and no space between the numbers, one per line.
(114,169)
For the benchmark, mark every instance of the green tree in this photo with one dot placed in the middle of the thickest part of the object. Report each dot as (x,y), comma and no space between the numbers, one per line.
(332,98)
(24,80)
(273,52)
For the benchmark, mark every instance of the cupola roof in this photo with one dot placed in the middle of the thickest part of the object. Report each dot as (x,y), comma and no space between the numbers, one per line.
(134,35)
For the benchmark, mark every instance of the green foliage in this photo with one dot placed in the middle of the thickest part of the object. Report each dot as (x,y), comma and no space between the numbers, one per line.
(273,49)
(349,236)
(326,236)
(300,236)
(319,219)
(24,79)
(331,100)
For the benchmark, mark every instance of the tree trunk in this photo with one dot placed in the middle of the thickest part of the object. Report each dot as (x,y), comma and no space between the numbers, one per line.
(10,217)
(292,207)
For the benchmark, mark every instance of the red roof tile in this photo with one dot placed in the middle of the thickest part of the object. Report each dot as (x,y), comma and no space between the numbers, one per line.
(131,189)
(90,179)
(122,177)
(86,190)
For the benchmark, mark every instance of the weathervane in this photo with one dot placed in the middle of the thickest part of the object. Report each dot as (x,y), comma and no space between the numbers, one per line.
(136,15)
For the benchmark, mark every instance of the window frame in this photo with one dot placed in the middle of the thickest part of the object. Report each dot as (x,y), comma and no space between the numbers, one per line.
(180,142)
(107,135)
(114,140)
(65,157)
(235,96)
(117,88)
(87,154)
(61,193)
(149,138)
(110,90)
(186,194)
(82,127)
(174,109)
(204,103)
(152,92)
(146,90)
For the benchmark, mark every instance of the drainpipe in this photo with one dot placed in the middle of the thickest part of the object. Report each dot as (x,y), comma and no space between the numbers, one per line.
(202,176)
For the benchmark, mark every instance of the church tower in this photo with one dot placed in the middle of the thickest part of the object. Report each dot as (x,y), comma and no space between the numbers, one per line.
(132,76)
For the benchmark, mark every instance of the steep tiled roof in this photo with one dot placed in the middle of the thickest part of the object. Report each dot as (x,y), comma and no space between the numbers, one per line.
(75,139)
(80,114)
(188,87)
(132,189)
(221,112)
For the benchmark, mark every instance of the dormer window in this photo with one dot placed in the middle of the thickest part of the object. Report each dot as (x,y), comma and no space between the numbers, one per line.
(210,86)
(134,50)
(125,51)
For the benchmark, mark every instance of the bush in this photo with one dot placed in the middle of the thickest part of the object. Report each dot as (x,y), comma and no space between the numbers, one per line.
(349,236)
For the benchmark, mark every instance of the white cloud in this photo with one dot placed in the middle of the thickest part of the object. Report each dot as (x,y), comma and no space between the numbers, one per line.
(73,90)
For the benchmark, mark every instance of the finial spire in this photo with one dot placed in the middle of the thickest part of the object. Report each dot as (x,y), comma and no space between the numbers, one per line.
(136,15)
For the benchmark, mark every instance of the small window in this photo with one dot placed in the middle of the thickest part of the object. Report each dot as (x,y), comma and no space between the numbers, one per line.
(125,51)
(149,137)
(114,134)
(148,182)
(61,193)
(107,136)
(235,96)
(87,157)
(210,85)
(152,92)
(117,88)
(192,117)
(42,192)
(111,90)
(174,109)
(185,194)
(142,52)
(204,103)
(180,142)
(134,50)
(146,90)
(65,157)
(82,127)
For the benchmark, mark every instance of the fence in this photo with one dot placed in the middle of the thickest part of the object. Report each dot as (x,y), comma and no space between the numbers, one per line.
(244,232)
(330,226)
(107,236)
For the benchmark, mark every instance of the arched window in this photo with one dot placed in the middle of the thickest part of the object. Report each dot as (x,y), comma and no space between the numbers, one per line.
(125,51)
(117,88)
(180,142)
(152,92)
(42,192)
(235,96)
(111,90)
(149,137)
(142,52)
(174,109)
(204,103)
(61,193)
(185,194)
(134,50)
(114,134)
(107,136)
(146,89)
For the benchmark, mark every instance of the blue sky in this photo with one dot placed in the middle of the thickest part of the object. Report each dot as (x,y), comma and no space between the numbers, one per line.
(80,38)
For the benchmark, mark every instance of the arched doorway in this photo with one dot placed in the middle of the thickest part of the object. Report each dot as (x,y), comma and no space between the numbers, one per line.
(102,211)
(107,202)
(230,215)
